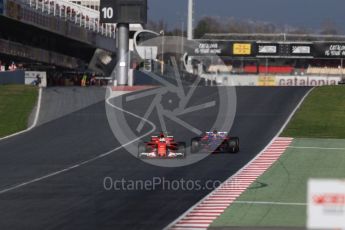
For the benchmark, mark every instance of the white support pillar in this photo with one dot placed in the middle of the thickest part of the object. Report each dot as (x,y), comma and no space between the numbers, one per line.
(65,16)
(190,19)
(122,51)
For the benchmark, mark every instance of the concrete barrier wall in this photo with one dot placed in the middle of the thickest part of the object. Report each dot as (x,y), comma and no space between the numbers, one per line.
(306,80)
(13,77)
(255,80)
(31,77)
(140,78)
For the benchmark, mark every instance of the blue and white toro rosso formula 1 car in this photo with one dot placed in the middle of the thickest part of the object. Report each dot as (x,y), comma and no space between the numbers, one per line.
(215,142)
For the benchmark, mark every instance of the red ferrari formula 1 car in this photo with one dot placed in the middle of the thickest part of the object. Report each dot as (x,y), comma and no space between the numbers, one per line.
(215,142)
(162,146)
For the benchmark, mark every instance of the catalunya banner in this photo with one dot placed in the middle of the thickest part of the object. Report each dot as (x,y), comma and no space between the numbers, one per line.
(261,49)
(329,50)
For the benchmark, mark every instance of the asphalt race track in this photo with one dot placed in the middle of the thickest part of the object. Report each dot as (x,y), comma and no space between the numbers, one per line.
(76,199)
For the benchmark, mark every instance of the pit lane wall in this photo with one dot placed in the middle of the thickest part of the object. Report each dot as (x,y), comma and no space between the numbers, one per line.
(21,77)
(278,80)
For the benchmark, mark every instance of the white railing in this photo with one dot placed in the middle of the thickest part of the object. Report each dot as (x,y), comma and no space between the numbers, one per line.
(78,14)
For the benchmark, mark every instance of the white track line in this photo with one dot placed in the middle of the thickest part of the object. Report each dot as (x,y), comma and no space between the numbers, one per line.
(320,148)
(33,125)
(276,140)
(269,203)
(87,161)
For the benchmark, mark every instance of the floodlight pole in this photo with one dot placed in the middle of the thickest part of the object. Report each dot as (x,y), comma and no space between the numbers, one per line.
(342,68)
(190,19)
(162,65)
(122,37)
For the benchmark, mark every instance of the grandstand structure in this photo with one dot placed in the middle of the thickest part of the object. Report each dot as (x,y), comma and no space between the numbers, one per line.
(51,34)
(67,34)
(83,14)
(92,4)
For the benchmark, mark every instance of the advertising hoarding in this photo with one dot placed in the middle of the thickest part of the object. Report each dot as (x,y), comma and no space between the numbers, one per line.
(326,204)
(330,50)
(210,48)
(32,76)
(283,49)
(266,81)
(265,49)
(242,49)
(306,80)
(301,49)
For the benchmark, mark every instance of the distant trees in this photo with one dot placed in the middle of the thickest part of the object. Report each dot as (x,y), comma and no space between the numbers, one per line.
(328,27)
(232,25)
(161,25)
(208,25)
(157,26)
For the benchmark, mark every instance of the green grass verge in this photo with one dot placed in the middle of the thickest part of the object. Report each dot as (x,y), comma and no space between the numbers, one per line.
(322,115)
(16,104)
(286,181)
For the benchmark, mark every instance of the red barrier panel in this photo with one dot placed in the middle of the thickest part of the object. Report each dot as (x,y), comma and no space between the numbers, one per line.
(250,69)
(269,69)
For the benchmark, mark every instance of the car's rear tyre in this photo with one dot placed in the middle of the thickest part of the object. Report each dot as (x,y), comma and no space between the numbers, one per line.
(141,149)
(182,149)
(234,145)
(195,145)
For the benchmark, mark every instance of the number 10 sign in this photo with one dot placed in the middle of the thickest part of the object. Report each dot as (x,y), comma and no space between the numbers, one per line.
(123,11)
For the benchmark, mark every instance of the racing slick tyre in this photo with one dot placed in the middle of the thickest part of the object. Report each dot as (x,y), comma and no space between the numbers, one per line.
(195,145)
(141,149)
(182,149)
(234,145)
(237,144)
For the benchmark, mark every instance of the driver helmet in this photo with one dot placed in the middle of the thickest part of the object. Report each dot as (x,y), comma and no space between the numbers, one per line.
(215,133)
(162,137)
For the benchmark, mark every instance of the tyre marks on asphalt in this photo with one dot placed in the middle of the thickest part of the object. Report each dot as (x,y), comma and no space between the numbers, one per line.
(210,208)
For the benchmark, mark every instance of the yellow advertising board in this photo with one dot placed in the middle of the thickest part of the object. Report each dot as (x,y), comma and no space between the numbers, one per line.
(242,49)
(267,81)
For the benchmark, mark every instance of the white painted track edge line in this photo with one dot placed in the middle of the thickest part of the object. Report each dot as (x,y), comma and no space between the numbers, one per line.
(270,203)
(319,148)
(33,125)
(172,224)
